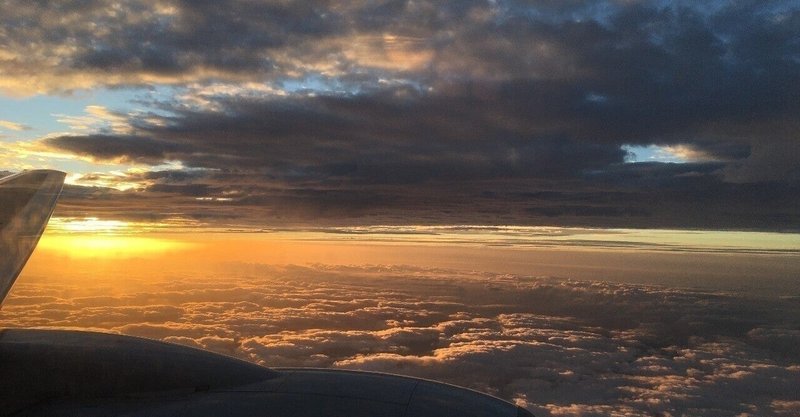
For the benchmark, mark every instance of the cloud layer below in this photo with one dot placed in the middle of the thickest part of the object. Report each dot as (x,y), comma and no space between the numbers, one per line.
(558,347)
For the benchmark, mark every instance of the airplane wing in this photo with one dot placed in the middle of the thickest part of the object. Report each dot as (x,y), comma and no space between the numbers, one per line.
(27,200)
(54,373)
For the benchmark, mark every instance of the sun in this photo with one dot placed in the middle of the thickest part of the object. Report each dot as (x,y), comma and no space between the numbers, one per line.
(91,237)
(110,246)
(88,225)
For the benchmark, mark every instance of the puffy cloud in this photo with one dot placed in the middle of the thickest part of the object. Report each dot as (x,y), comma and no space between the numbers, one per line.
(642,43)
(560,348)
(785,408)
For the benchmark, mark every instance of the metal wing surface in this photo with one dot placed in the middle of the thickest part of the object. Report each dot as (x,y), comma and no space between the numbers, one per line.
(27,200)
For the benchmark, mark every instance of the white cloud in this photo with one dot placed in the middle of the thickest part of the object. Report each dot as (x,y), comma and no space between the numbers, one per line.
(97,118)
(13,126)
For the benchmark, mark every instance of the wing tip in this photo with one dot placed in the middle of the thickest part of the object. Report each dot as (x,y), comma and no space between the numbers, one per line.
(53,172)
(27,199)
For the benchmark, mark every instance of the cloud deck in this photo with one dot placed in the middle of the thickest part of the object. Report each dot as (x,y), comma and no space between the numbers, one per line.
(571,348)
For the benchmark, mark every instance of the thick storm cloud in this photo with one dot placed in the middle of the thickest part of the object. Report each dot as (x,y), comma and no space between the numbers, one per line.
(558,347)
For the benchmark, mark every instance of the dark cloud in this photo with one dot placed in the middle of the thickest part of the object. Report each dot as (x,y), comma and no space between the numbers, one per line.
(114,147)
(167,38)
(446,105)
(393,136)
(465,155)
(558,347)
(642,198)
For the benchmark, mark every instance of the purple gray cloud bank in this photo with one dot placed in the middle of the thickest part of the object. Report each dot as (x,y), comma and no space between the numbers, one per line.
(559,347)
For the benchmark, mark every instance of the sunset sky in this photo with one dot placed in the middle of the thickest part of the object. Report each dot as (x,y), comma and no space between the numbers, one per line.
(588,113)
(585,207)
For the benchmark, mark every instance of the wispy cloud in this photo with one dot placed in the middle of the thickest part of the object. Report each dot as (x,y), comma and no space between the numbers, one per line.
(5,124)
(97,118)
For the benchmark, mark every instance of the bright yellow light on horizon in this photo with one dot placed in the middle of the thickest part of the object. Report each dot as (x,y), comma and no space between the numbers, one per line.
(109,246)
(93,238)
(88,224)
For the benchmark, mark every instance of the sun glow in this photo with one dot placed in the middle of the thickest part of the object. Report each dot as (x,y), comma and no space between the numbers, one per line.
(72,225)
(93,238)
(88,224)
(109,246)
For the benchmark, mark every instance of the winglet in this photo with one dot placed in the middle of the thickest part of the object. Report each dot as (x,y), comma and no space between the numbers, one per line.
(27,200)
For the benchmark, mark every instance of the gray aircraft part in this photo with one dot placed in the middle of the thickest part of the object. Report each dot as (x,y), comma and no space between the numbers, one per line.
(69,373)
(76,373)
(27,200)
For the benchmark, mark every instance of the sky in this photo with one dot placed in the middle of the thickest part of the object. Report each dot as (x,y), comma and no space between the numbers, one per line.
(589,208)
(618,113)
